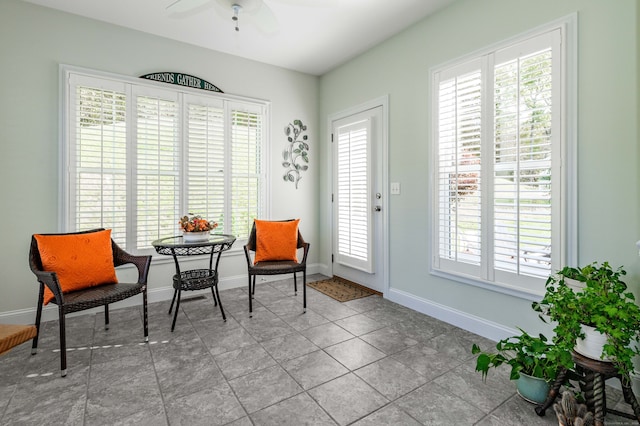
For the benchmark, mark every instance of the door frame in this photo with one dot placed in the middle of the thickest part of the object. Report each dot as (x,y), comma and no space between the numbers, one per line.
(382,101)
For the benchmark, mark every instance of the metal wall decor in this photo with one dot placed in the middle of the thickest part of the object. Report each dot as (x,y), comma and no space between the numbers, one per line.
(296,153)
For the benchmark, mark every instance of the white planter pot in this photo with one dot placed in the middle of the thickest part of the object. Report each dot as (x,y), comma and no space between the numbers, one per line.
(591,346)
(195,237)
(575,285)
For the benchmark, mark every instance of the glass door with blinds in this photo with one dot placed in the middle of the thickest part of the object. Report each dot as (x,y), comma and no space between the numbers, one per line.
(357,199)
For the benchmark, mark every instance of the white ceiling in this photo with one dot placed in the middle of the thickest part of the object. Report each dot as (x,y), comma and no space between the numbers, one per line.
(312,36)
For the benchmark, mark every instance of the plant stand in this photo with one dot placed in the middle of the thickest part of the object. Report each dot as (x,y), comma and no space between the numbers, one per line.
(591,375)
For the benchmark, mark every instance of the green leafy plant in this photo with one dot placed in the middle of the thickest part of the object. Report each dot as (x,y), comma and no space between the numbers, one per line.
(603,303)
(534,356)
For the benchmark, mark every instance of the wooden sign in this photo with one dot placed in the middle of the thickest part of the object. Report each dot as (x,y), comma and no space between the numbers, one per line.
(182,80)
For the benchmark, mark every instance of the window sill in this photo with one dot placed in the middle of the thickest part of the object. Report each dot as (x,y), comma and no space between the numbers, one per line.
(518,292)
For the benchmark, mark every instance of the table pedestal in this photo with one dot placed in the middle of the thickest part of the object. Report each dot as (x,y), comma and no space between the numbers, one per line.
(195,279)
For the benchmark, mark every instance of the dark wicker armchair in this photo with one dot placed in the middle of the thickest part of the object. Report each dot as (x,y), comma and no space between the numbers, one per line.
(277,267)
(88,298)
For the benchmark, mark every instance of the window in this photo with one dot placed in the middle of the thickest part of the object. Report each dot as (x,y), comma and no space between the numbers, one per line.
(139,156)
(498,146)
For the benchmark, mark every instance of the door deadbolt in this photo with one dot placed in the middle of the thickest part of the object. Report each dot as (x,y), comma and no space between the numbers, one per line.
(377,208)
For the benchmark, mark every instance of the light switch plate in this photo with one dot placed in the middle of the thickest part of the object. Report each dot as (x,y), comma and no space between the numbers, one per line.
(395,188)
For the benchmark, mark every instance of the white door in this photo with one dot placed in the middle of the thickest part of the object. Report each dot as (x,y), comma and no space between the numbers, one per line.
(358,198)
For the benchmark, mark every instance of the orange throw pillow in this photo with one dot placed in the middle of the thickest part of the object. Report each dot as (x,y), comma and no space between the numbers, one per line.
(276,240)
(80,260)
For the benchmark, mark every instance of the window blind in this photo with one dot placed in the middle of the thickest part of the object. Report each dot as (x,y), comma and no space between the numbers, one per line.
(157,169)
(98,168)
(353,189)
(206,153)
(522,164)
(498,153)
(459,168)
(246,130)
(137,157)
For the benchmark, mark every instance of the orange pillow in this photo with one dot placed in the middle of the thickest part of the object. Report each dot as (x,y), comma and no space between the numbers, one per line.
(79,260)
(276,240)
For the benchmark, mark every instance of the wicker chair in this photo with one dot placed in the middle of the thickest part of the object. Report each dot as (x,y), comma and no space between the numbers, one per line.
(277,267)
(88,298)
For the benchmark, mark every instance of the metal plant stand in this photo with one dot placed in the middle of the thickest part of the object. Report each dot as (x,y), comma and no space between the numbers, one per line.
(591,375)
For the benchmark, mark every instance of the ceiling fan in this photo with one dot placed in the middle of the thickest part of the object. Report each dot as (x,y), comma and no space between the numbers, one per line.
(256,11)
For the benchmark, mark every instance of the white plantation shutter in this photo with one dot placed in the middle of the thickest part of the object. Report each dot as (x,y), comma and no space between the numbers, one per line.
(353,200)
(98,157)
(523,153)
(459,168)
(498,152)
(246,170)
(138,157)
(157,168)
(206,152)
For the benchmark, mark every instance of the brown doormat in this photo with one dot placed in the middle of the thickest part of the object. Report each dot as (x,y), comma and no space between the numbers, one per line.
(341,290)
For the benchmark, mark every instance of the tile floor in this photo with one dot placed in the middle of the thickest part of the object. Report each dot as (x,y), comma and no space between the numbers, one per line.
(363,362)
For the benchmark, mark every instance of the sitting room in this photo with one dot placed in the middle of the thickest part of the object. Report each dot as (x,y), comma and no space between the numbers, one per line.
(310,211)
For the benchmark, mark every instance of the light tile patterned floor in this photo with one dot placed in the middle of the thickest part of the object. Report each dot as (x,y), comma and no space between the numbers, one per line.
(364,362)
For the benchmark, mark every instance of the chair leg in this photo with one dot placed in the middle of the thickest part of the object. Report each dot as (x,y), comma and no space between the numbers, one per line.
(175,314)
(304,290)
(106,317)
(34,344)
(250,301)
(63,343)
(145,315)
(254,285)
(295,284)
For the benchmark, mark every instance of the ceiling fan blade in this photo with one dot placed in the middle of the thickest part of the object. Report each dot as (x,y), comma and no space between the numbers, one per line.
(182,6)
(311,3)
(264,19)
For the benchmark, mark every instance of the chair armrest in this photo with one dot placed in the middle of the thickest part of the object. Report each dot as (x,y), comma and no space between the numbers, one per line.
(121,257)
(50,279)
(306,247)
(247,255)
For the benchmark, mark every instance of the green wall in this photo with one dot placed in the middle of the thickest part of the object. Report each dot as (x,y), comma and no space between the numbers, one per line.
(608,157)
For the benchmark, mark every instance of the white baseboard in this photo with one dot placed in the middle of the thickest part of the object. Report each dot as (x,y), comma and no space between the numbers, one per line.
(464,320)
(50,312)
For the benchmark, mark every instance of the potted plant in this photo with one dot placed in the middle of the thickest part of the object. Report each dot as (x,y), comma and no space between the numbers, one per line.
(534,363)
(602,303)
(196,228)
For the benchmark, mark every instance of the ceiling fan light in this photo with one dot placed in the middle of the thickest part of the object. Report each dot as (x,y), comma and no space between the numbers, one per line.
(236,11)
(246,5)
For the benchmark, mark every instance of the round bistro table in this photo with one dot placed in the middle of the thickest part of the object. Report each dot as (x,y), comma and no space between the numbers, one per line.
(195,279)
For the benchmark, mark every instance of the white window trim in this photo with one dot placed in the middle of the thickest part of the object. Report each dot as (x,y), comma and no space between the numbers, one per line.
(64,126)
(568,130)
